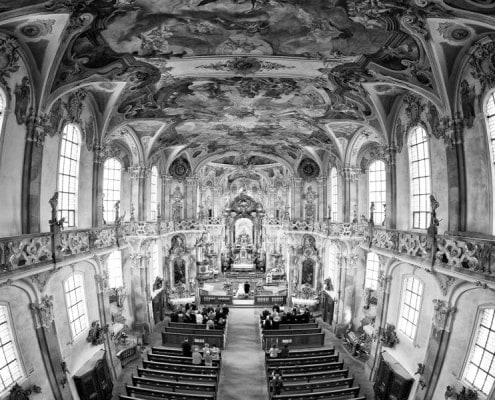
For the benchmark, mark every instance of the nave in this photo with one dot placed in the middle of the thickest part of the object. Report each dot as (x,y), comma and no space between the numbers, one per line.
(244,368)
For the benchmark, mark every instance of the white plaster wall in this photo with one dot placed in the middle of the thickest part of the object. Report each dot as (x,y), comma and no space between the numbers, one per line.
(439,180)
(24,329)
(75,352)
(85,194)
(403,220)
(463,327)
(49,169)
(409,353)
(11,165)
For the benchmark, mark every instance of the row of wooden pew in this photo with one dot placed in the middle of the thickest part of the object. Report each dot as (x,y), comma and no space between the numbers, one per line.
(167,374)
(310,373)
(296,335)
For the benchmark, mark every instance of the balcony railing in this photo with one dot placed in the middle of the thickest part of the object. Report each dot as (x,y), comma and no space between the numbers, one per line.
(470,256)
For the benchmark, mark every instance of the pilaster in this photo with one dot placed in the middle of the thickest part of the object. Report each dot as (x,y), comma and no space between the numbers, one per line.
(297,198)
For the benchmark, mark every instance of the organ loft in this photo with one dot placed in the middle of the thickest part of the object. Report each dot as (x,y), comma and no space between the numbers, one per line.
(233,199)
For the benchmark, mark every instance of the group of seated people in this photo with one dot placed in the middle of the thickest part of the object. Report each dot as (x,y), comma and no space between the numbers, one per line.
(273,319)
(198,354)
(213,318)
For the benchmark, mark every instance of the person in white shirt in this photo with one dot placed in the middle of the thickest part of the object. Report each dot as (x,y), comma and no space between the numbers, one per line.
(199,318)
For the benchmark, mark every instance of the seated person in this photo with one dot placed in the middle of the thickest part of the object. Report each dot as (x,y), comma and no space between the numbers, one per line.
(284,353)
(196,357)
(274,351)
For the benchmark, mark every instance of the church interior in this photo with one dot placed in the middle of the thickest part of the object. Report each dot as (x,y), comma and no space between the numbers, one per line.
(331,161)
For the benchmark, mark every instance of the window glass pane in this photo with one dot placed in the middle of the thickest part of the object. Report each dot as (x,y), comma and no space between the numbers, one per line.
(332,264)
(411,302)
(480,370)
(10,369)
(372,269)
(153,193)
(115,278)
(68,171)
(76,304)
(419,159)
(112,172)
(155,263)
(334,187)
(377,190)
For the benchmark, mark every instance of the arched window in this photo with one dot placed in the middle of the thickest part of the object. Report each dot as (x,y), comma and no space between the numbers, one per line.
(112,172)
(75,299)
(412,291)
(115,276)
(332,265)
(68,173)
(3,107)
(153,193)
(419,164)
(155,262)
(10,366)
(490,125)
(480,369)
(334,193)
(377,189)
(372,268)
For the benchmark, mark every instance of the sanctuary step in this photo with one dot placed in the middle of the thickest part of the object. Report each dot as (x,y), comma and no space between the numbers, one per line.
(244,275)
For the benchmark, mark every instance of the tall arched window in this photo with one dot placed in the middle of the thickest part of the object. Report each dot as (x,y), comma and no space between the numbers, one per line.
(75,299)
(112,172)
(115,276)
(153,193)
(372,269)
(155,262)
(3,106)
(334,193)
(377,189)
(11,370)
(68,173)
(419,164)
(480,368)
(490,126)
(332,264)
(412,291)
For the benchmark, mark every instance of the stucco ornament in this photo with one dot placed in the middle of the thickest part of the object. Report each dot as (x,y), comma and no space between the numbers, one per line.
(308,169)
(44,311)
(22,99)
(9,60)
(180,169)
(441,313)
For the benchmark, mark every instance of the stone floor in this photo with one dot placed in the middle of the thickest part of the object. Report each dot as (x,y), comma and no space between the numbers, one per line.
(243,369)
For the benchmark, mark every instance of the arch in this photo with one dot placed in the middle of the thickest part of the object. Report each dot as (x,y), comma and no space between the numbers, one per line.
(68,173)
(112,179)
(489,114)
(420,176)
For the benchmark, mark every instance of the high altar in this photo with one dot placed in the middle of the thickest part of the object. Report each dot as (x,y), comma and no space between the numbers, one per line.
(244,242)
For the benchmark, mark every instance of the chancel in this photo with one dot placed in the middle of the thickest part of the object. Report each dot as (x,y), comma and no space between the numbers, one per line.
(247,199)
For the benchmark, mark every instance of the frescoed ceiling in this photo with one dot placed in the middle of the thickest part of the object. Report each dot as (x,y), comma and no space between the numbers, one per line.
(274,77)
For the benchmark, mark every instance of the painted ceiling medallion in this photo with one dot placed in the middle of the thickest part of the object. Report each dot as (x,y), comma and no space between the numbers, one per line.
(454,33)
(37,28)
(180,169)
(308,169)
(245,66)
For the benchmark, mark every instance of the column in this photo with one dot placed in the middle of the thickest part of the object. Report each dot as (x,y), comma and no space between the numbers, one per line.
(322,197)
(48,340)
(456,175)
(140,295)
(97,194)
(391,212)
(166,197)
(436,349)
(217,201)
(296,198)
(350,194)
(191,199)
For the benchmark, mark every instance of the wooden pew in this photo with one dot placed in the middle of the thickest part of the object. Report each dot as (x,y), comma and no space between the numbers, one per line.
(320,385)
(302,369)
(193,329)
(186,325)
(143,393)
(275,332)
(316,376)
(196,369)
(296,353)
(173,386)
(347,393)
(174,359)
(271,362)
(299,326)
(198,337)
(172,351)
(177,376)
(294,341)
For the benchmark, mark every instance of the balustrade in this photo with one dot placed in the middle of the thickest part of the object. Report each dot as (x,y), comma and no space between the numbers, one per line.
(472,256)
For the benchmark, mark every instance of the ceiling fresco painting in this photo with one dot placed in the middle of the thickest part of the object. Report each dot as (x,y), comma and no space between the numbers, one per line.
(279,78)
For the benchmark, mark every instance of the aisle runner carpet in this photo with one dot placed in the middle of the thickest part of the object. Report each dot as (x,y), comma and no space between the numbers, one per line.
(243,365)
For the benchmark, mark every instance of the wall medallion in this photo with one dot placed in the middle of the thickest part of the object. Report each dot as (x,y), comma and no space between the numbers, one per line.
(180,169)
(308,169)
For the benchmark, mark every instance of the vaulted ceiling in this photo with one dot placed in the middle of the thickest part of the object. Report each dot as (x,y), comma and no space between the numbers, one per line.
(275,79)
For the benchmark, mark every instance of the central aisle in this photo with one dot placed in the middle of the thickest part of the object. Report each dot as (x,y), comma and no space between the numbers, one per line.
(243,364)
